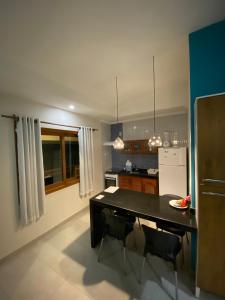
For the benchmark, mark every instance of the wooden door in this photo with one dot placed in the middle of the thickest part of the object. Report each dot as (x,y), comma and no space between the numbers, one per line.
(211,196)
(211,248)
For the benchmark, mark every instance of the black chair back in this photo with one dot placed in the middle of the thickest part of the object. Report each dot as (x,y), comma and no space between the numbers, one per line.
(116,226)
(161,244)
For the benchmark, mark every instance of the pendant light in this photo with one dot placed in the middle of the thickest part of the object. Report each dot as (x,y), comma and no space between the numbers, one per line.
(155,140)
(118,144)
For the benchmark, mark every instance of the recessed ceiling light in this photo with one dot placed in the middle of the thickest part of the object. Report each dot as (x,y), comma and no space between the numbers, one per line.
(71,106)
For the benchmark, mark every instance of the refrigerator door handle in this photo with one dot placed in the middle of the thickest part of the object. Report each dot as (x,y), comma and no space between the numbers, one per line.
(210,180)
(214,194)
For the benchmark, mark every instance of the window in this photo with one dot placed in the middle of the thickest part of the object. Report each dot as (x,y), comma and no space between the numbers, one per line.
(61,158)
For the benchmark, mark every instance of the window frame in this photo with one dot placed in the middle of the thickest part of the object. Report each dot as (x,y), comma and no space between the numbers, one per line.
(65,181)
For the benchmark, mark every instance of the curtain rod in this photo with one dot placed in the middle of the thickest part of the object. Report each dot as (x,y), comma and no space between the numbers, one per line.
(16,118)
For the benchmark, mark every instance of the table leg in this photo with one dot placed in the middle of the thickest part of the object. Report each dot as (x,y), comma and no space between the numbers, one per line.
(95,224)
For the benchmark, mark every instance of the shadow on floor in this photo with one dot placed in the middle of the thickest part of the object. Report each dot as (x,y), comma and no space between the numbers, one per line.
(111,268)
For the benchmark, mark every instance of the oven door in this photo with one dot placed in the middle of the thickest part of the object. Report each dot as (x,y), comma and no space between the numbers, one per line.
(110,181)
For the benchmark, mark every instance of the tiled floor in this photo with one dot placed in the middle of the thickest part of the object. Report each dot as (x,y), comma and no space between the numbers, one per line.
(62,265)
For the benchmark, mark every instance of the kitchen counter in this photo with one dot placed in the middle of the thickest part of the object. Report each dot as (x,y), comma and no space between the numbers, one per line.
(137,180)
(139,173)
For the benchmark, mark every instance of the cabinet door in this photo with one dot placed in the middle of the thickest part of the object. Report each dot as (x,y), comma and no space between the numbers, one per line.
(127,147)
(136,184)
(125,182)
(211,242)
(137,147)
(150,186)
(145,147)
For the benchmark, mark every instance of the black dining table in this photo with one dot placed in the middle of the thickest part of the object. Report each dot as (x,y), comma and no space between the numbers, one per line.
(146,206)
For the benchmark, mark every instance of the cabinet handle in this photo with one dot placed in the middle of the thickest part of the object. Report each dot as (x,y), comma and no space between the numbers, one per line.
(213,194)
(210,180)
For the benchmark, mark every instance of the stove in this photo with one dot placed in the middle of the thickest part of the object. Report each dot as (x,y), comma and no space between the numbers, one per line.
(112,177)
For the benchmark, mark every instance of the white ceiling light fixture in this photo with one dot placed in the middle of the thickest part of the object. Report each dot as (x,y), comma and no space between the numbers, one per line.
(118,144)
(155,140)
(71,107)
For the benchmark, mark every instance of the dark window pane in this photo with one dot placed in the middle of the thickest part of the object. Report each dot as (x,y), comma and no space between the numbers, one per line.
(72,157)
(52,158)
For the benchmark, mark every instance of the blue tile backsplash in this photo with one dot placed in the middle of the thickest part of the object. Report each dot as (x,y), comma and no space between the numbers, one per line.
(140,161)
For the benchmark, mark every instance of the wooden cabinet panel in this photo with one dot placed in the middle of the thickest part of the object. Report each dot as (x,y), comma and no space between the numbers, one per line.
(136,184)
(211,242)
(127,147)
(125,182)
(150,186)
(139,184)
(138,147)
(145,148)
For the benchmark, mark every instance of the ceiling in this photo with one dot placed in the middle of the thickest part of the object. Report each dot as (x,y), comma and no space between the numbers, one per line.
(69,52)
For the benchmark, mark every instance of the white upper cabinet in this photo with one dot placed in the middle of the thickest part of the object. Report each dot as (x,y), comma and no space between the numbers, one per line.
(143,129)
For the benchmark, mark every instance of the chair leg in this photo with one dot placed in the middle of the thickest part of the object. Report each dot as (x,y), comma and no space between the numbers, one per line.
(124,259)
(100,249)
(187,237)
(139,223)
(182,249)
(142,269)
(176,291)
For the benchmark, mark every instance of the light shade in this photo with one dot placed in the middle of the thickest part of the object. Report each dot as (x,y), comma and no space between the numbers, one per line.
(154,141)
(118,144)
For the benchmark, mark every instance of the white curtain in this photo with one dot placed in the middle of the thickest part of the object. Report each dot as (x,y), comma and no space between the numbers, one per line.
(30,169)
(86,153)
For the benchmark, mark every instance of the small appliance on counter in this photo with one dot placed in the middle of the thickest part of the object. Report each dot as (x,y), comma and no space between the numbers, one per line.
(128,166)
(152,171)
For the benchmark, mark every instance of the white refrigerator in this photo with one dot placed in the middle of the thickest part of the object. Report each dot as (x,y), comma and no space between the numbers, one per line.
(173,171)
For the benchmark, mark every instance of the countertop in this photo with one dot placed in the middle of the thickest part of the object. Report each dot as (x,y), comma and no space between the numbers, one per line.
(138,173)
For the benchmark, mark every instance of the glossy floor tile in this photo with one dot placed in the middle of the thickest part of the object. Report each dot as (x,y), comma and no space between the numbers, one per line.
(62,266)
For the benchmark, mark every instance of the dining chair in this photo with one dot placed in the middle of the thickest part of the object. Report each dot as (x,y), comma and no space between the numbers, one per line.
(161,244)
(116,226)
(125,215)
(129,217)
(166,226)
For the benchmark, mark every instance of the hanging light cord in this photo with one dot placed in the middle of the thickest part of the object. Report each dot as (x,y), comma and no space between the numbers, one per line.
(153,69)
(117,102)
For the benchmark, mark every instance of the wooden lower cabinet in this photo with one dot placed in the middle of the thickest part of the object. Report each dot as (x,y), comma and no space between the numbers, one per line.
(139,184)
(124,182)
(150,186)
(136,184)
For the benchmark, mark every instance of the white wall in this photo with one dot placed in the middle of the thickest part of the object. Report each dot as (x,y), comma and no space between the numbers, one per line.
(59,205)
(107,150)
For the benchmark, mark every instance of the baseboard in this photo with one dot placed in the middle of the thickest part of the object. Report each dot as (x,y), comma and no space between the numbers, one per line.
(8,256)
